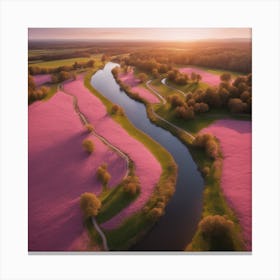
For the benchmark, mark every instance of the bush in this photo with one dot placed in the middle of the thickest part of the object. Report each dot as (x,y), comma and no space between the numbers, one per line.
(236,105)
(131,185)
(205,171)
(175,100)
(143,77)
(217,232)
(89,204)
(88,145)
(155,213)
(226,77)
(89,127)
(117,110)
(103,175)
(208,143)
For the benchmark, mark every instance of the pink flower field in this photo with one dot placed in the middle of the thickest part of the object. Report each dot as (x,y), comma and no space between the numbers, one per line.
(42,79)
(130,80)
(208,78)
(59,172)
(235,138)
(147,168)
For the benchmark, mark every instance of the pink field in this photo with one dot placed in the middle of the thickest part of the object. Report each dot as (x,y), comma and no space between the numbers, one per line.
(235,137)
(147,168)
(208,78)
(130,80)
(59,171)
(42,79)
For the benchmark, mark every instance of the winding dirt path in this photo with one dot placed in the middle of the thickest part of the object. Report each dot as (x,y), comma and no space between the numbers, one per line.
(188,133)
(164,82)
(106,142)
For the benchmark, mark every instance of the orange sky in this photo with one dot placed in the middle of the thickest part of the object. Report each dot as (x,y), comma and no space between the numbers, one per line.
(157,34)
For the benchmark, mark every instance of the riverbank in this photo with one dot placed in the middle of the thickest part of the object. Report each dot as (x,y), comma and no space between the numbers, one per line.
(137,224)
(214,202)
(236,182)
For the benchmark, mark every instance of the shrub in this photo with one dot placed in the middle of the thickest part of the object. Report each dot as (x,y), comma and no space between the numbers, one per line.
(175,100)
(205,171)
(236,105)
(142,77)
(103,175)
(131,185)
(226,77)
(208,143)
(186,113)
(90,204)
(117,110)
(201,107)
(89,127)
(217,232)
(155,213)
(88,145)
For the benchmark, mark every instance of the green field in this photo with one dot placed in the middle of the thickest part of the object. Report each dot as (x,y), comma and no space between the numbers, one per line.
(63,62)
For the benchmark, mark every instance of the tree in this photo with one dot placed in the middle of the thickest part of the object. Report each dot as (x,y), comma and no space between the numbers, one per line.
(217,232)
(88,145)
(90,204)
(103,175)
(155,73)
(245,95)
(225,77)
(175,100)
(142,77)
(236,105)
(200,107)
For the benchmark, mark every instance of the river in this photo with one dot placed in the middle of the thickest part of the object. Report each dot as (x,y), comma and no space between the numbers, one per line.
(176,228)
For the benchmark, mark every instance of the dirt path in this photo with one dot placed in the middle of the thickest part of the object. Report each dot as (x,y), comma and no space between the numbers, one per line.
(163,81)
(188,133)
(106,142)
(98,229)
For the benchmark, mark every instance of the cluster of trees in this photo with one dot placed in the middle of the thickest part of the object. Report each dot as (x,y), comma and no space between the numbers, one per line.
(131,185)
(35,70)
(62,76)
(217,233)
(88,145)
(90,204)
(235,96)
(103,175)
(146,64)
(232,57)
(208,143)
(36,93)
(179,78)
(186,108)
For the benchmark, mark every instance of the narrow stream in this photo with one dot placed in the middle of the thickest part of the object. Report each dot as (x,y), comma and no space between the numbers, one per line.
(176,228)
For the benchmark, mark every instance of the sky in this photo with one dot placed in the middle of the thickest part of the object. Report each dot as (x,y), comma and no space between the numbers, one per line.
(127,34)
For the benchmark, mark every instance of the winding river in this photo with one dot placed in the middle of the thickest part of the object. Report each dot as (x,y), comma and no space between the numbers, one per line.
(175,229)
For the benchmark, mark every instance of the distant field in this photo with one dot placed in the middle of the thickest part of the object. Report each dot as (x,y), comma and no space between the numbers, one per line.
(63,62)
(211,70)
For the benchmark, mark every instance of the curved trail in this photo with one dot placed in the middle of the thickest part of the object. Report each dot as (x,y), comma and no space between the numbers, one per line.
(163,81)
(155,92)
(188,133)
(98,229)
(106,142)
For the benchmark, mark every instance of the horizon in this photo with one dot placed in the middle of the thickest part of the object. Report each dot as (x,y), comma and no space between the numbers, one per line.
(138,34)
